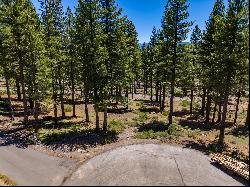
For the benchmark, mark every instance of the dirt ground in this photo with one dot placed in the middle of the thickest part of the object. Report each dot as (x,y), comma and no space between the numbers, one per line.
(207,132)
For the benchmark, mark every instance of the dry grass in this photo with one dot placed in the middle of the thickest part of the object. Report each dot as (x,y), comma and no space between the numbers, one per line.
(5,181)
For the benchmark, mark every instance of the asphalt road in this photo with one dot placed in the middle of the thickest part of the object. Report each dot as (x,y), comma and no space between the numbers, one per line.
(30,168)
(131,165)
(150,165)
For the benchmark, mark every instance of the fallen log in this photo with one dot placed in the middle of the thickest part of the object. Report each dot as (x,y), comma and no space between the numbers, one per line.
(231,164)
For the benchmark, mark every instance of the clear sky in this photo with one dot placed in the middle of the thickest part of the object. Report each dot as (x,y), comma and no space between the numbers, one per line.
(148,13)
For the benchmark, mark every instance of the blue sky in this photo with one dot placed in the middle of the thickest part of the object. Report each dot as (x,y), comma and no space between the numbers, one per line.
(148,13)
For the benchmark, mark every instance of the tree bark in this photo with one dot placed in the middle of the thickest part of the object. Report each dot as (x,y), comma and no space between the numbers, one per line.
(31,103)
(223,122)
(18,89)
(146,86)
(173,69)
(215,110)
(132,92)
(163,98)
(105,121)
(126,95)
(24,96)
(160,96)
(9,98)
(219,113)
(237,106)
(191,102)
(36,113)
(157,92)
(73,90)
(203,104)
(135,87)
(151,88)
(61,98)
(97,119)
(208,108)
(247,119)
(86,99)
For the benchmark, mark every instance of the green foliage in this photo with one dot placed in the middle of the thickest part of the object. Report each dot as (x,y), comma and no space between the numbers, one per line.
(7,181)
(143,117)
(116,126)
(151,134)
(165,113)
(174,130)
(185,103)
(239,140)
(68,108)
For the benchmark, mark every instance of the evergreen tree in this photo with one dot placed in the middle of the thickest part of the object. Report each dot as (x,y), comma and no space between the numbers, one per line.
(91,53)
(175,29)
(195,39)
(53,22)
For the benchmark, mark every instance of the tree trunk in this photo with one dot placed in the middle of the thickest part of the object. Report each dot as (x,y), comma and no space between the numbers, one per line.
(132,92)
(223,123)
(36,113)
(26,118)
(203,104)
(134,87)
(61,98)
(219,113)
(86,99)
(151,88)
(31,103)
(163,98)
(208,108)
(191,102)
(157,92)
(237,106)
(105,121)
(247,120)
(18,89)
(146,86)
(160,95)
(126,95)
(55,108)
(97,119)
(215,109)
(9,98)
(73,92)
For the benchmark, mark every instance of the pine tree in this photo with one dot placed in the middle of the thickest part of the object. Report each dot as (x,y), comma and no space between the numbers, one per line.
(175,29)
(91,53)
(116,62)
(53,22)
(6,62)
(230,31)
(195,39)
(71,63)
(207,54)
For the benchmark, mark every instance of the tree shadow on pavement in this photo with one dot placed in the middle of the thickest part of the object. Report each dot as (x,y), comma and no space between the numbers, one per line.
(238,178)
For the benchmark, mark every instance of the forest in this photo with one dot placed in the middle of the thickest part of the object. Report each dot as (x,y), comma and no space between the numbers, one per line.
(54,63)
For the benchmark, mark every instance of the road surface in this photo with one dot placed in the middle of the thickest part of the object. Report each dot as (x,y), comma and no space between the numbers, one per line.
(150,165)
(131,165)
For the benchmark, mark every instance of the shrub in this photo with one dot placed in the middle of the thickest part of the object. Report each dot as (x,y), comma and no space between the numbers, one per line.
(143,117)
(151,134)
(185,103)
(68,108)
(165,113)
(174,130)
(116,126)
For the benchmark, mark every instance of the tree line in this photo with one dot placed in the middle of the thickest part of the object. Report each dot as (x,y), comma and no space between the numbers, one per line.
(51,55)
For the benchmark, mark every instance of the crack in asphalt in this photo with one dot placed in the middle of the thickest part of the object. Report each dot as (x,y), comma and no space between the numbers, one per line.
(179,171)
